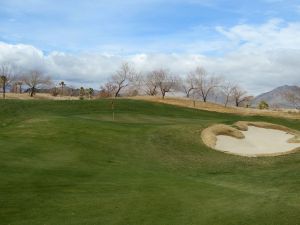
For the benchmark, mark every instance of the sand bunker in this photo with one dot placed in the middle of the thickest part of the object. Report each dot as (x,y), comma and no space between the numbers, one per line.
(252,139)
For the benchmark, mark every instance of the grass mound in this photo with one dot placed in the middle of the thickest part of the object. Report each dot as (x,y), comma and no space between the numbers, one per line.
(209,135)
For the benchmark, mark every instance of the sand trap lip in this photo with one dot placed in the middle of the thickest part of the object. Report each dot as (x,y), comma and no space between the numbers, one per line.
(252,139)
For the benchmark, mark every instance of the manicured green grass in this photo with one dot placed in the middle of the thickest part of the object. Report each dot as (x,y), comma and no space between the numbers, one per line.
(67,162)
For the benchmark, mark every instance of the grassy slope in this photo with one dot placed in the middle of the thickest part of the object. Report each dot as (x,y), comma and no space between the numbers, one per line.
(68,163)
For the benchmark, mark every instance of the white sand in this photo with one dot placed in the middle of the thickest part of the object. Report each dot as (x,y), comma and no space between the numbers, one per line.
(257,141)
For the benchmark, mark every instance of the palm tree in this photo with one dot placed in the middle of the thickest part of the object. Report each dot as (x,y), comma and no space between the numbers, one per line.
(90,91)
(62,84)
(5,77)
(81,93)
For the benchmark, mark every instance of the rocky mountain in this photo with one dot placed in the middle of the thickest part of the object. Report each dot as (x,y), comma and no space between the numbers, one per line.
(277,98)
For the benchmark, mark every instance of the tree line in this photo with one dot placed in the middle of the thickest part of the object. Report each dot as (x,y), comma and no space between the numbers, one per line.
(126,81)
(32,80)
(35,80)
(197,84)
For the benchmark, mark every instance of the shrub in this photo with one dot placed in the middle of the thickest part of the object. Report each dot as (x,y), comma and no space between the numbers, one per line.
(263,105)
(54,91)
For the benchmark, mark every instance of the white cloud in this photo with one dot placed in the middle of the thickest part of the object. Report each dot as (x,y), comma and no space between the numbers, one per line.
(257,57)
(274,34)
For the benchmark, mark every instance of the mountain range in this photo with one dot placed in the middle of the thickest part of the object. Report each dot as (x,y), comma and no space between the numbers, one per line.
(277,98)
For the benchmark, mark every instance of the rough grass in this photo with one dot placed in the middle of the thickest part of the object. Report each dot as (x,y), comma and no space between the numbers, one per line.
(67,162)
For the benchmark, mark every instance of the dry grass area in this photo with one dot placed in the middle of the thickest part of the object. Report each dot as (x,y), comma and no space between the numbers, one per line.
(38,96)
(292,114)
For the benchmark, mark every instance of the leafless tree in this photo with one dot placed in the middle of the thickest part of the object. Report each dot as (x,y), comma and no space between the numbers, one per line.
(6,77)
(228,90)
(151,83)
(165,82)
(19,83)
(72,90)
(136,84)
(239,95)
(107,90)
(248,100)
(54,91)
(122,78)
(34,80)
(205,84)
(189,84)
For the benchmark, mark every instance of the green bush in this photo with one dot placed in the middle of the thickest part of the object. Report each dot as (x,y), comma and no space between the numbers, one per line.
(263,105)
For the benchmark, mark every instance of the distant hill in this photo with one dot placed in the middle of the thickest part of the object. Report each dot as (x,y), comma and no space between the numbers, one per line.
(276,98)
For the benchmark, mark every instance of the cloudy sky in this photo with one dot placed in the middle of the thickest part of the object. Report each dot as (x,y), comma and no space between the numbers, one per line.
(255,43)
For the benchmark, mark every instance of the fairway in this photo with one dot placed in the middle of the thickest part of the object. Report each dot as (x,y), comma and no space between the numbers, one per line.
(68,162)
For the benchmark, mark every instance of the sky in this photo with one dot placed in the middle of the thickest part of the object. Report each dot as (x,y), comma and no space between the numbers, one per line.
(254,43)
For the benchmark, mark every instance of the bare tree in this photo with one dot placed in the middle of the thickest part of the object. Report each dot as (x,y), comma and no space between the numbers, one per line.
(16,87)
(205,84)
(54,91)
(122,78)
(107,90)
(151,84)
(19,83)
(34,80)
(165,82)
(6,77)
(228,90)
(72,91)
(248,101)
(136,84)
(189,84)
(239,95)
